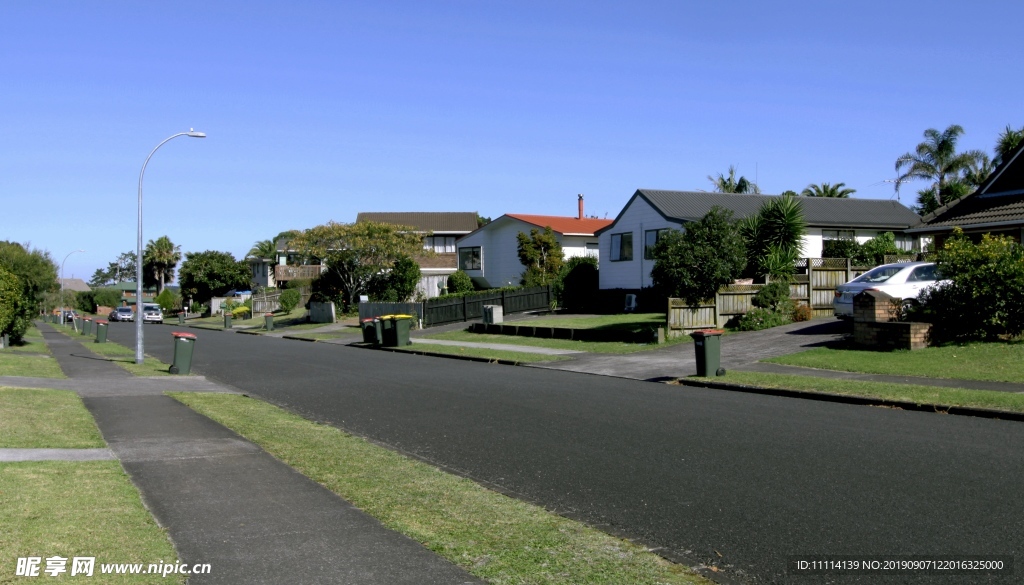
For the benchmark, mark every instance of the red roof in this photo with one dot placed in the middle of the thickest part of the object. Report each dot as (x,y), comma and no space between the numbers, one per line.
(563,224)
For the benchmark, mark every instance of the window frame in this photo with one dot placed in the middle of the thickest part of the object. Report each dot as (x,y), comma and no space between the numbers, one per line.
(479,257)
(649,248)
(616,252)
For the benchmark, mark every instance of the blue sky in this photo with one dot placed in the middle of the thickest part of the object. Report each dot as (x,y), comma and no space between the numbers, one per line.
(316,111)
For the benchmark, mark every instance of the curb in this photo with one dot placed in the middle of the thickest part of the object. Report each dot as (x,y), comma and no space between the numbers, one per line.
(465,358)
(857,400)
(306,339)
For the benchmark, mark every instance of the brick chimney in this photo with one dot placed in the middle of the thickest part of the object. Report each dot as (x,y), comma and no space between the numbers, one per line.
(581,205)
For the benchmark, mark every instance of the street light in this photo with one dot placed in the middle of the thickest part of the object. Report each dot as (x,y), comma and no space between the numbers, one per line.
(62,283)
(138,249)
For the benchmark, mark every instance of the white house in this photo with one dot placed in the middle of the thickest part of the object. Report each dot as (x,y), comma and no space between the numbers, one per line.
(626,244)
(490,255)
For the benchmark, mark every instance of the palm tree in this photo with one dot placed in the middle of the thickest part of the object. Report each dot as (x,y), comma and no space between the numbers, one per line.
(828,190)
(161,257)
(263,249)
(937,160)
(731,184)
(1008,140)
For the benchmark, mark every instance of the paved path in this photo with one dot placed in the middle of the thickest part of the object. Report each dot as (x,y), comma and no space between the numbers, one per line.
(227,502)
(737,480)
(7,455)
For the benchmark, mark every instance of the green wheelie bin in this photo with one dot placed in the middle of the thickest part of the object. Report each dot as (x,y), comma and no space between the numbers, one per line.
(184,344)
(371,330)
(101,330)
(396,330)
(227,320)
(708,346)
(87,326)
(268,321)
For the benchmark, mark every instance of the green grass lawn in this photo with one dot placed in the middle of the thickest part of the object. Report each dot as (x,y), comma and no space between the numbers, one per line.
(32,342)
(119,355)
(1008,401)
(33,418)
(29,365)
(352,333)
(491,354)
(83,509)
(997,362)
(588,346)
(495,537)
(624,321)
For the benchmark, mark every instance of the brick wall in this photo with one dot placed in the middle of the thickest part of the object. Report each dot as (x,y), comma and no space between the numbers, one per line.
(874,325)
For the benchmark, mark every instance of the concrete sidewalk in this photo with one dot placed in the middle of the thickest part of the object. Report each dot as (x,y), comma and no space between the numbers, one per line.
(227,502)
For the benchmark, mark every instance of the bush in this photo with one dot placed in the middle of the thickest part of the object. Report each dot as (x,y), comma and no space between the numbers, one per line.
(577,285)
(460,282)
(985,296)
(873,251)
(774,296)
(15,310)
(802,313)
(840,249)
(241,312)
(760,318)
(298,283)
(396,285)
(289,299)
(693,264)
(168,301)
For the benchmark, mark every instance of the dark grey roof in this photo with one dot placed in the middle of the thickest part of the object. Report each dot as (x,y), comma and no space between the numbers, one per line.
(998,202)
(818,211)
(425,221)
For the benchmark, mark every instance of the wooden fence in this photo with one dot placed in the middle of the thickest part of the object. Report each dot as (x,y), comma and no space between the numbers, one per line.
(815,285)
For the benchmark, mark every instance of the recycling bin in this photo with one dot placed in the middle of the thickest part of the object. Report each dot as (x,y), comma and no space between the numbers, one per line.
(181,318)
(268,320)
(372,330)
(395,330)
(86,326)
(184,344)
(708,347)
(227,320)
(101,330)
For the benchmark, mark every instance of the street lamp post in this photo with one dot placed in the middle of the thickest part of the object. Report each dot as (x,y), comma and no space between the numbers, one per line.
(139,352)
(62,283)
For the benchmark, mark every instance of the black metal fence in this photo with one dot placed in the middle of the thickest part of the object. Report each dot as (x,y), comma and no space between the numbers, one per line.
(469,307)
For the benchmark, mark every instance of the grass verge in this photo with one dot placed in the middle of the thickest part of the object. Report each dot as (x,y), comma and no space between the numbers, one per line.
(993,362)
(32,366)
(1007,401)
(84,509)
(32,342)
(615,347)
(119,355)
(521,357)
(45,419)
(495,537)
(623,321)
(349,333)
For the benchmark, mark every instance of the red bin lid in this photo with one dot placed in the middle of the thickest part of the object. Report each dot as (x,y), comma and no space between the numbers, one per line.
(183,334)
(704,332)
(98,321)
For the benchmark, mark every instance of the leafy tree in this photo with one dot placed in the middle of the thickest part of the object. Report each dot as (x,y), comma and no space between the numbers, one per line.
(873,251)
(35,269)
(937,160)
(731,184)
(481,221)
(460,282)
(1009,139)
(693,264)
(839,190)
(355,253)
(159,260)
(398,284)
(15,310)
(204,275)
(577,284)
(168,300)
(542,256)
(774,237)
(120,270)
(88,301)
(789,193)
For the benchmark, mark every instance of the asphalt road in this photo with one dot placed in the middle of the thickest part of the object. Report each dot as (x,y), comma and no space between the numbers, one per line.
(737,480)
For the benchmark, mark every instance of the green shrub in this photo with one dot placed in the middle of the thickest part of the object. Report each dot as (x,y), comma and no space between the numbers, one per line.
(840,249)
(289,299)
(774,296)
(873,251)
(168,301)
(577,285)
(298,283)
(15,310)
(693,264)
(396,285)
(460,282)
(241,312)
(760,318)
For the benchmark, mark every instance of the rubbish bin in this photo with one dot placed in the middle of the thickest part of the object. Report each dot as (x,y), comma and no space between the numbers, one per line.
(227,320)
(87,326)
(101,330)
(371,330)
(181,318)
(268,320)
(184,343)
(395,330)
(708,346)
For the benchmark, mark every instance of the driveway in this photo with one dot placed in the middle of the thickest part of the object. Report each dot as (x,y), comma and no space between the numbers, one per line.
(739,481)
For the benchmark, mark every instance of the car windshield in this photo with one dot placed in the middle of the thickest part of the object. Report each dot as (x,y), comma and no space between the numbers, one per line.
(880,274)
(124,310)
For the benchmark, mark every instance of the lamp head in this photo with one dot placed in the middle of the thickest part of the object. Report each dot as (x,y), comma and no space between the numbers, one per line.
(192,133)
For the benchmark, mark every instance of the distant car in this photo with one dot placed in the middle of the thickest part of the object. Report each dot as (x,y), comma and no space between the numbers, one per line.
(902,281)
(122,314)
(152,314)
(70,315)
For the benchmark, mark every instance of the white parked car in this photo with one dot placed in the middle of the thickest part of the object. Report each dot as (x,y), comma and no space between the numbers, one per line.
(904,281)
(151,313)
(122,314)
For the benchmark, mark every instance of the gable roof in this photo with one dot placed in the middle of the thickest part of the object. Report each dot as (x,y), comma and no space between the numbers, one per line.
(684,206)
(998,202)
(75,284)
(461,222)
(565,225)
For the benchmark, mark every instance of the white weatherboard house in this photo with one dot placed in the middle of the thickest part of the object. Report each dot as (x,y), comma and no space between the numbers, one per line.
(626,244)
(490,255)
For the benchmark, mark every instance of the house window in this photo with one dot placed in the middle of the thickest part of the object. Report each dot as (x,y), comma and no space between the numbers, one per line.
(469,258)
(440,244)
(651,238)
(622,247)
(838,234)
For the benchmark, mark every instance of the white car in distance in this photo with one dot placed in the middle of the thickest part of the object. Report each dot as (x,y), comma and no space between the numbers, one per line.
(904,281)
